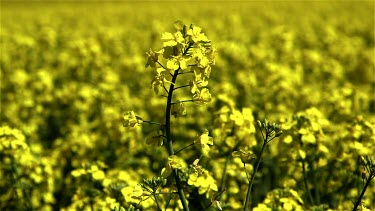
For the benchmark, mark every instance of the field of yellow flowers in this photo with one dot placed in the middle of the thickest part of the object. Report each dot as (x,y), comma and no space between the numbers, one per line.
(73,74)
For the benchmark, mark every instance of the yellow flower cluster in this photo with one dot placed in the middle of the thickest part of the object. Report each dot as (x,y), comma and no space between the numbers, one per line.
(70,71)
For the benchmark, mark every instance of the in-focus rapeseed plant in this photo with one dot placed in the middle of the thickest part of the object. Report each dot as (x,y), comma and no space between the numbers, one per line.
(69,73)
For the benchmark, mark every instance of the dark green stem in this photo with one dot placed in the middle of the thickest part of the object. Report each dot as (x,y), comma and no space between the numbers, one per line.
(192,144)
(170,142)
(152,123)
(305,182)
(225,175)
(157,201)
(182,86)
(316,187)
(188,71)
(257,163)
(183,101)
(160,64)
(363,191)
(17,180)
(91,205)
(305,174)
(212,201)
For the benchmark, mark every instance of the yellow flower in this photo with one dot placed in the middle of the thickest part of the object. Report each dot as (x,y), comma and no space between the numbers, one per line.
(174,162)
(98,175)
(237,117)
(203,181)
(172,39)
(245,155)
(130,119)
(196,35)
(202,97)
(204,141)
(155,138)
(178,109)
(152,58)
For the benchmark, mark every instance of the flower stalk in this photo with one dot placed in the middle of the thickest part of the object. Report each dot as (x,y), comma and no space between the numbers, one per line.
(169,145)
(369,166)
(257,163)
(188,50)
(272,130)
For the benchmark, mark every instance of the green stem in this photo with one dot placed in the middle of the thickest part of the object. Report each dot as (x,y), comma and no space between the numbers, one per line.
(257,163)
(160,64)
(316,187)
(305,182)
(91,205)
(214,199)
(181,87)
(363,191)
(305,173)
(225,175)
(183,101)
(170,142)
(152,123)
(192,144)
(188,71)
(17,180)
(157,201)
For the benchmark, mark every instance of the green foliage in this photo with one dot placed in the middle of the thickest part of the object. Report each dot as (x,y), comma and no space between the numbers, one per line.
(69,73)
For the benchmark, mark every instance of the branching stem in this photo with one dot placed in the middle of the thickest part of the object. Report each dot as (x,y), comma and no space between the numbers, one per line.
(170,142)
(186,72)
(214,199)
(160,64)
(316,187)
(182,86)
(370,177)
(157,201)
(184,148)
(152,123)
(183,101)
(224,177)
(165,89)
(257,163)
(305,182)
(305,174)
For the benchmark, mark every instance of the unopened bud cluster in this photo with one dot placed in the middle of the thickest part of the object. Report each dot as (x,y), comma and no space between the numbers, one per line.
(272,130)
